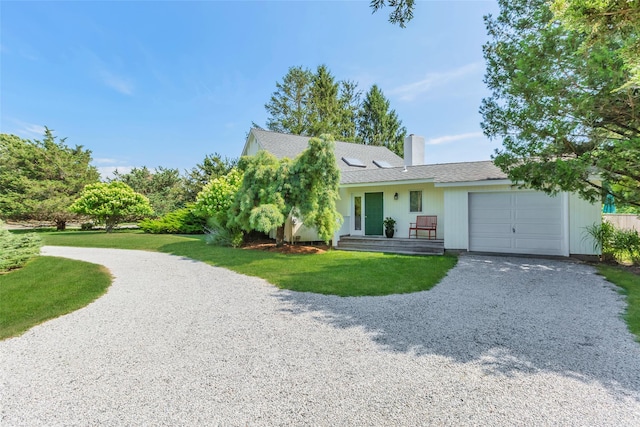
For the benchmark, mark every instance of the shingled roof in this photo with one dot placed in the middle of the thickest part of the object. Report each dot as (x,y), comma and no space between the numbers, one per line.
(284,145)
(438,173)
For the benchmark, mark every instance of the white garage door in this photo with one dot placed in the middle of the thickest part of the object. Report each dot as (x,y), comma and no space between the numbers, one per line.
(516,222)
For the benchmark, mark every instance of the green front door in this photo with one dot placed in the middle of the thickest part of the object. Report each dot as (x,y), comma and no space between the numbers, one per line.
(373,214)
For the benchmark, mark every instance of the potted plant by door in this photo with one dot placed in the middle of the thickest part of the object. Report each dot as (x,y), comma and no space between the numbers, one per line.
(389,226)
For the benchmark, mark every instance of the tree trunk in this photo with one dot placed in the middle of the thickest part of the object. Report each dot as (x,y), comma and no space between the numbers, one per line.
(61,225)
(280,236)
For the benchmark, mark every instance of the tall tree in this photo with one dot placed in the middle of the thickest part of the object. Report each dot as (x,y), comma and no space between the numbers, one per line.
(311,104)
(559,106)
(378,124)
(39,180)
(324,103)
(163,187)
(349,107)
(603,21)
(289,104)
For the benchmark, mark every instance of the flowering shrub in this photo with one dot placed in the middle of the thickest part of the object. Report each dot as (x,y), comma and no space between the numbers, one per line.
(217,196)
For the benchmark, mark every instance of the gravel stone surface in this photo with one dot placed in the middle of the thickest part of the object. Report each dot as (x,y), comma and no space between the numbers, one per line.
(500,341)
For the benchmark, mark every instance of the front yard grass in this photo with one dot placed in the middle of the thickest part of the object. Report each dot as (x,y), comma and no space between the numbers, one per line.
(45,288)
(335,272)
(630,285)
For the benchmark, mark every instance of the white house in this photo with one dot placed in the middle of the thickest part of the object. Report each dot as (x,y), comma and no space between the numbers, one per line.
(477,206)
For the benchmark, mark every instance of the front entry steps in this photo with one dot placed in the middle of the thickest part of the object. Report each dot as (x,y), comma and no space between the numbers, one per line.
(395,245)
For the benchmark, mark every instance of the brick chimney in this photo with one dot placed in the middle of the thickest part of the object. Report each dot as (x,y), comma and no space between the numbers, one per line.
(413,150)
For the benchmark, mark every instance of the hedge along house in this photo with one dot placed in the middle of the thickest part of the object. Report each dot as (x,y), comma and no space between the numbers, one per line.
(478,208)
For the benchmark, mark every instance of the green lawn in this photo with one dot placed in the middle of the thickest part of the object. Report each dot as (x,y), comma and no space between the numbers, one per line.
(47,287)
(335,272)
(630,285)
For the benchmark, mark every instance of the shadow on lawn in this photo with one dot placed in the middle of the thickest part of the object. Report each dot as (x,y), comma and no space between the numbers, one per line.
(512,316)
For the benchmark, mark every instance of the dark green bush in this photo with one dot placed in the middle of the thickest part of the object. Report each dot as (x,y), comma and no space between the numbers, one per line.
(181,221)
(17,249)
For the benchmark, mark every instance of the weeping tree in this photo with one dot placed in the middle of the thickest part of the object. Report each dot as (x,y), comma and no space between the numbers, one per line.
(273,189)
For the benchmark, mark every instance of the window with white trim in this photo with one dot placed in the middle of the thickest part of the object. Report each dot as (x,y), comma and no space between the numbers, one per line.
(415,201)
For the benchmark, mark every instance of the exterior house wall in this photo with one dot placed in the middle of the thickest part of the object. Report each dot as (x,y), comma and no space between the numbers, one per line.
(252,146)
(456,224)
(581,215)
(432,204)
(296,231)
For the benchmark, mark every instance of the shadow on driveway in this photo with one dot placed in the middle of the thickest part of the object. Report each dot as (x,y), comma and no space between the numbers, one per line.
(510,315)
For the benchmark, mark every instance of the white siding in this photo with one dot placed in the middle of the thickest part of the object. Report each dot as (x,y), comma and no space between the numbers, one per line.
(252,146)
(432,204)
(581,215)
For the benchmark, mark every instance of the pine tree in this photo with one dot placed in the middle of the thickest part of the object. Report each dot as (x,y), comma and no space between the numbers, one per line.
(289,104)
(378,124)
(324,104)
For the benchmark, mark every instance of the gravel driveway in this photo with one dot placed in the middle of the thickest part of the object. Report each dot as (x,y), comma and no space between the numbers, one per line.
(500,341)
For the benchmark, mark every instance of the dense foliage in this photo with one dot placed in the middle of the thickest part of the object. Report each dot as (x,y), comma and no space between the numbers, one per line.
(378,124)
(273,189)
(559,106)
(622,245)
(603,21)
(180,221)
(40,179)
(216,198)
(164,187)
(213,166)
(111,203)
(17,249)
(313,104)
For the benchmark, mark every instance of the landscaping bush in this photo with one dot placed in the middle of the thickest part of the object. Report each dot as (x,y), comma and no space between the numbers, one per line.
(86,226)
(223,236)
(621,245)
(17,249)
(181,221)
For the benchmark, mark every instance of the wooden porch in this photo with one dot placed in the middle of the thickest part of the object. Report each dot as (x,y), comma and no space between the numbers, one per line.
(396,245)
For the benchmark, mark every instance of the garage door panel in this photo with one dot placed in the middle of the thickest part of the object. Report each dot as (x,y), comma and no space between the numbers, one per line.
(490,214)
(539,245)
(492,229)
(494,242)
(529,199)
(516,222)
(552,215)
(494,200)
(539,232)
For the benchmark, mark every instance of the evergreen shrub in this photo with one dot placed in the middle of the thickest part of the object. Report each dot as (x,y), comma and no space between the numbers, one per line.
(17,249)
(181,221)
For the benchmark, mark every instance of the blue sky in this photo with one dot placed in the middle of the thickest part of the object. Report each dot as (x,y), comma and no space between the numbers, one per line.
(161,83)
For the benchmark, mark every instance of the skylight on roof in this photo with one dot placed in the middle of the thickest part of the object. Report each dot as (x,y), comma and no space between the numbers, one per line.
(382,164)
(352,161)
